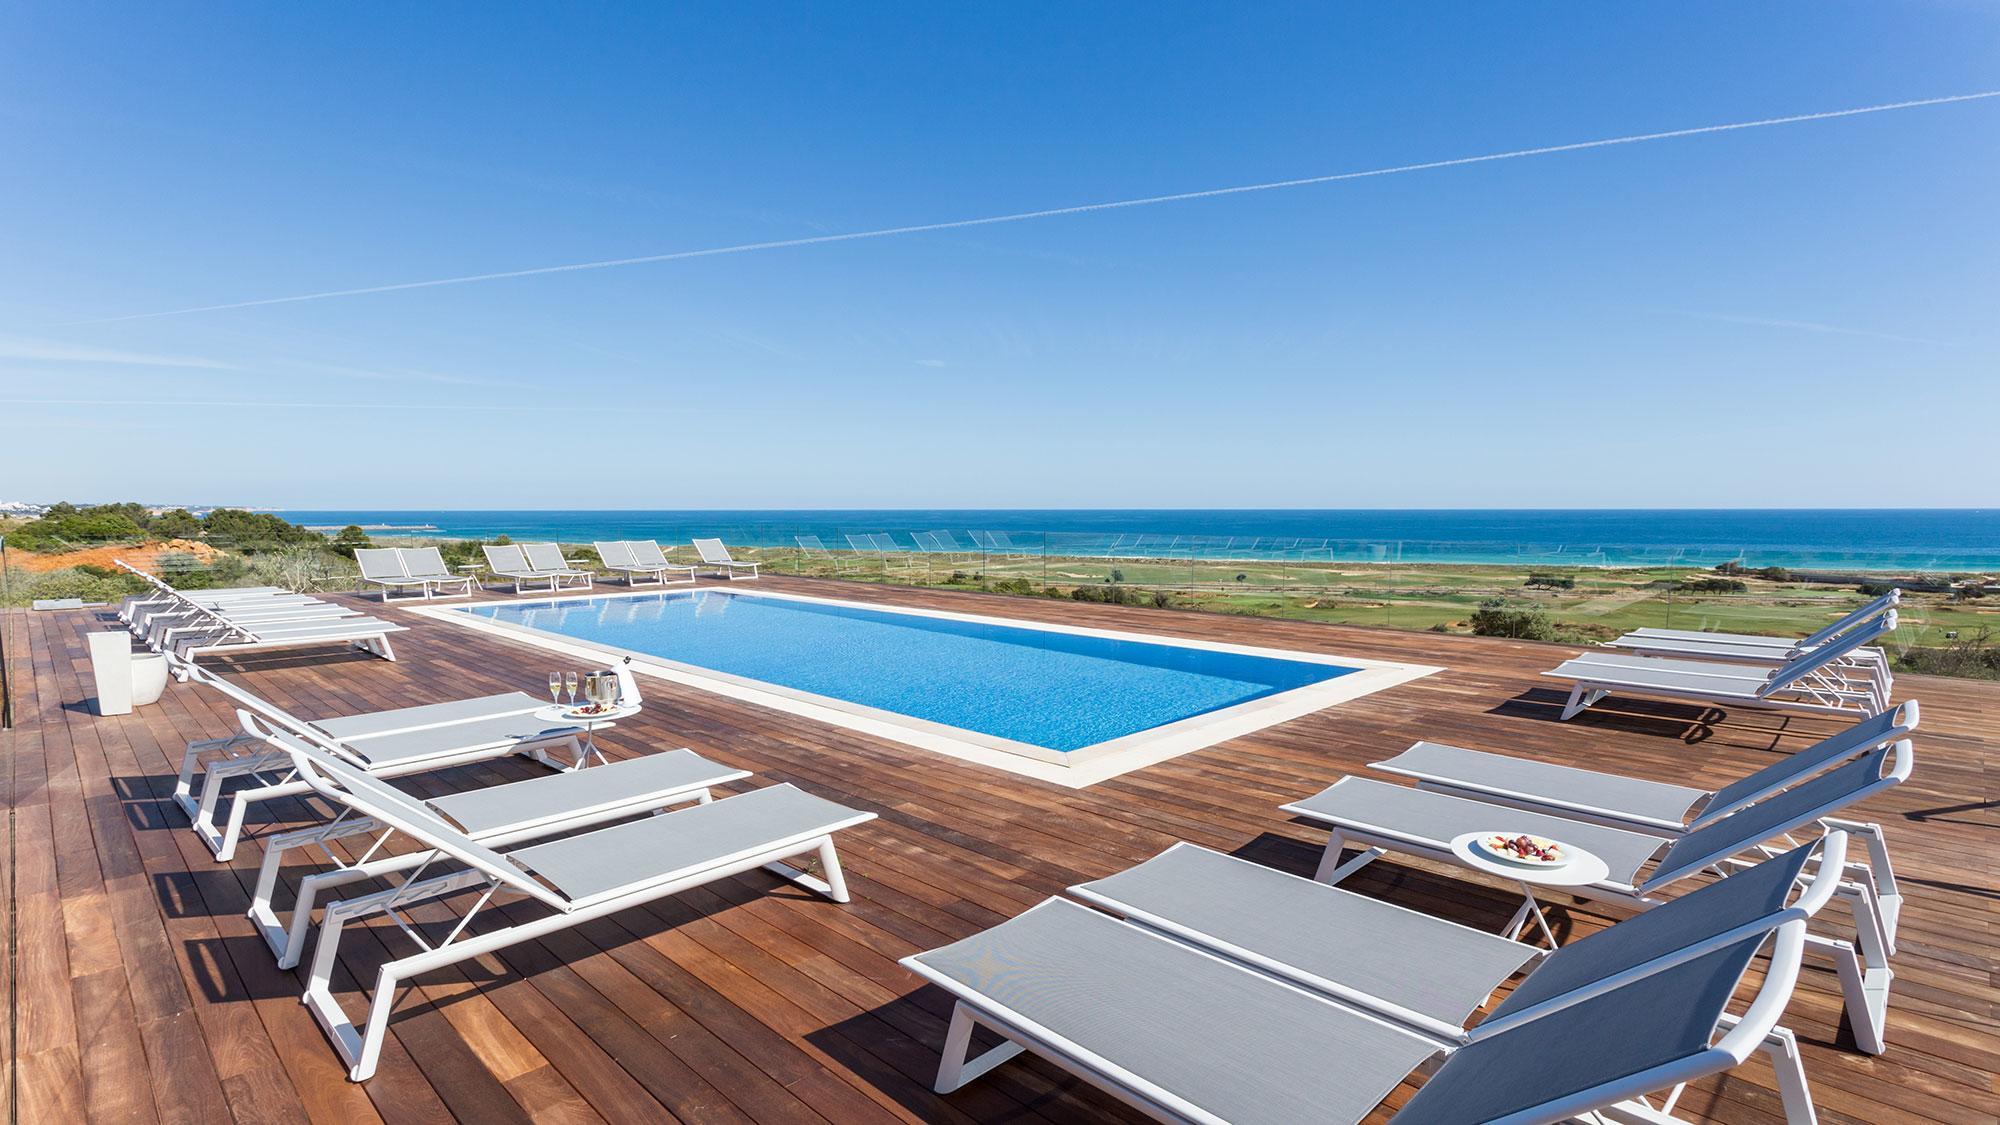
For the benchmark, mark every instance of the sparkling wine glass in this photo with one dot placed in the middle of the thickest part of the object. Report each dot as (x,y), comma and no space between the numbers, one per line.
(555,687)
(569,686)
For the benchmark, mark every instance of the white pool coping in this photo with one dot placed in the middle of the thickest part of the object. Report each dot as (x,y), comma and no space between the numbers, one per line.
(1075,769)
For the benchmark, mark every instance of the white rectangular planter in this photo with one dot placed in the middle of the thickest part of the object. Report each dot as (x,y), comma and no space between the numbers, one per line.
(111,667)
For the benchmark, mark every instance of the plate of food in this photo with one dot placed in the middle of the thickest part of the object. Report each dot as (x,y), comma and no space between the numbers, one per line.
(1521,849)
(585,711)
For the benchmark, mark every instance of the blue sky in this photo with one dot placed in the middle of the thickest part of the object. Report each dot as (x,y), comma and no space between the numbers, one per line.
(1596,328)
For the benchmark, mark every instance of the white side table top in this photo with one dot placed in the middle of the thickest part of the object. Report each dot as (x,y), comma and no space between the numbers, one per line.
(1583,868)
(564,713)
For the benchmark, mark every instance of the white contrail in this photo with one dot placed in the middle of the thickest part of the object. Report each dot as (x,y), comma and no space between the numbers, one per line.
(455,407)
(1052,212)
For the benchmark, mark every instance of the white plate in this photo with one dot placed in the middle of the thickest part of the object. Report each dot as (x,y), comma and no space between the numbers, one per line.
(1505,856)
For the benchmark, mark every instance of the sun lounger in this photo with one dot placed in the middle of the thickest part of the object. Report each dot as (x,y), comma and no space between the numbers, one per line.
(387,743)
(1382,817)
(510,562)
(1426,972)
(641,557)
(1752,647)
(383,566)
(1630,802)
(813,548)
(163,632)
(152,624)
(547,559)
(1185,1033)
(578,878)
(1813,682)
(534,809)
(426,565)
(226,636)
(714,554)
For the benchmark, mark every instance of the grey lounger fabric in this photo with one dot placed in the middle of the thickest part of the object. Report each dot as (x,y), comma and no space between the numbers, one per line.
(1503,775)
(465,737)
(1643,1024)
(1311,933)
(547,558)
(1428,821)
(1240,1045)
(429,715)
(611,861)
(1431,820)
(519,804)
(1646,803)
(1707,912)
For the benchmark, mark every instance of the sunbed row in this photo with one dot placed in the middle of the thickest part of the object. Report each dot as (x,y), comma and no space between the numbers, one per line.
(534,566)
(187,624)
(578,843)
(1834,671)
(1312,1003)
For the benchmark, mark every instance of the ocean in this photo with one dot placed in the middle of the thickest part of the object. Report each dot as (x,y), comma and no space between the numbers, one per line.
(1818,539)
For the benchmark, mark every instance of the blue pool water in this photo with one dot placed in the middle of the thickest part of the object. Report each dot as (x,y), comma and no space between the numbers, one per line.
(1056,690)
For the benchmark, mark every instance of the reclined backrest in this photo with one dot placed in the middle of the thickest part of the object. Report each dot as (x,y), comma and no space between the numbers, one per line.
(1874,608)
(615,553)
(370,796)
(1813,661)
(544,556)
(380,562)
(1863,736)
(505,558)
(424,561)
(1750,901)
(1795,808)
(647,552)
(1644,1035)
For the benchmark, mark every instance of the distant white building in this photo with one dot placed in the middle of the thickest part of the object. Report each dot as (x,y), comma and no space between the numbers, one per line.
(21,508)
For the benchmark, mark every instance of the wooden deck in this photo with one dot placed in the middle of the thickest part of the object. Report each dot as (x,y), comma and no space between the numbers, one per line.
(140,992)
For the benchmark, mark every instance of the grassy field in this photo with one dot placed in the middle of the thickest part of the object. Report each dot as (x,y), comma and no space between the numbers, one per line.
(1596,605)
(1602,603)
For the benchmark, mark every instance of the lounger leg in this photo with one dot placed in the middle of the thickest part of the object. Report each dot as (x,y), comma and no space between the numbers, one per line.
(954,1069)
(1580,697)
(1878,873)
(1331,870)
(287,939)
(191,758)
(223,844)
(829,883)
(1865,992)
(1793,1092)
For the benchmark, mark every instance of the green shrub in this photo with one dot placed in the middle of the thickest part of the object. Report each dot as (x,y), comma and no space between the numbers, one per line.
(1975,657)
(1876,589)
(1713,585)
(1497,619)
(252,532)
(1551,581)
(177,524)
(1162,599)
(350,539)
(75,582)
(62,530)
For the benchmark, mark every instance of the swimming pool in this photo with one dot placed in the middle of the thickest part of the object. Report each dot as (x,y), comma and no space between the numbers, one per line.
(1057,695)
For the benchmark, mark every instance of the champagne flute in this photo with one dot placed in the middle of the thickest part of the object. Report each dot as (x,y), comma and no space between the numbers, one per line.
(555,687)
(569,686)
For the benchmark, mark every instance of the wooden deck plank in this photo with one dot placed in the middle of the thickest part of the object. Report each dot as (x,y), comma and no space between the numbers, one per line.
(144,993)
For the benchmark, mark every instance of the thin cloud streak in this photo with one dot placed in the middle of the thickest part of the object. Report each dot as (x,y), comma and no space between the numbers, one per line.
(396,406)
(1811,326)
(1054,212)
(57,351)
